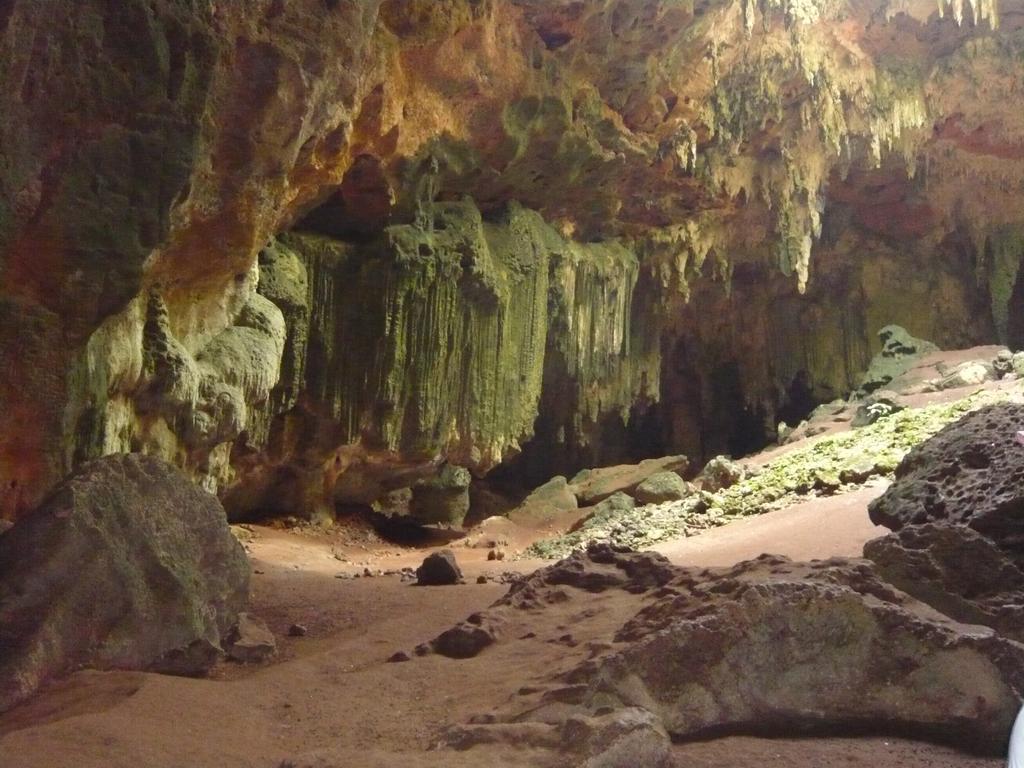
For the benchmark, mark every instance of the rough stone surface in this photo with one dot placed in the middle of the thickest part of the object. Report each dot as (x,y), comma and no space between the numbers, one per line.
(969,473)
(127,565)
(546,501)
(439,569)
(594,485)
(442,499)
(955,570)
(662,487)
(899,352)
(250,641)
(766,646)
(795,648)
(721,473)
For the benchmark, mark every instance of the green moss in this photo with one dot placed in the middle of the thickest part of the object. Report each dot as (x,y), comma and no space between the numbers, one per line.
(434,338)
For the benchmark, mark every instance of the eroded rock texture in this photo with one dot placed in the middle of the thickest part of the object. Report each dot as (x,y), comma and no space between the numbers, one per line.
(590,230)
(127,565)
(767,646)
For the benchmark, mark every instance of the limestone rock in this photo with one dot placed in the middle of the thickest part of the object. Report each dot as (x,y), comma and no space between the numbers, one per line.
(443,499)
(662,487)
(970,473)
(805,648)
(439,569)
(547,501)
(720,473)
(625,738)
(967,374)
(955,570)
(127,565)
(250,640)
(899,352)
(594,485)
(797,648)
(610,508)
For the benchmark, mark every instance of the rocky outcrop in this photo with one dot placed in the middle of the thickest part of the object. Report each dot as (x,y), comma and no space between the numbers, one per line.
(767,646)
(955,570)
(127,565)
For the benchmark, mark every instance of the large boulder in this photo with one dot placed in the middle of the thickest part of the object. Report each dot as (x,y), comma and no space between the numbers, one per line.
(545,502)
(127,565)
(594,485)
(970,473)
(766,646)
(803,648)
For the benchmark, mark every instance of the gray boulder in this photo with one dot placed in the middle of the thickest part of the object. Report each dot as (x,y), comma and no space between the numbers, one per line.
(127,565)
(955,570)
(662,487)
(721,473)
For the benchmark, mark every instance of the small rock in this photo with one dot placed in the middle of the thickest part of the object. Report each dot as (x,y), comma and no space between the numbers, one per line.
(439,569)
(250,641)
(398,657)
(297,630)
(481,579)
(496,554)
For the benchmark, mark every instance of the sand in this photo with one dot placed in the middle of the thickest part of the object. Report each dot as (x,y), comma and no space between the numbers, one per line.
(330,698)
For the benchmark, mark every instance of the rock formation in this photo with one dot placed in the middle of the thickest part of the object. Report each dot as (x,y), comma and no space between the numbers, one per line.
(127,565)
(256,239)
(767,646)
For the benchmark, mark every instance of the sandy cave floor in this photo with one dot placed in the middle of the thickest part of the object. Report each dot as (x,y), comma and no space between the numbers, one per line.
(330,699)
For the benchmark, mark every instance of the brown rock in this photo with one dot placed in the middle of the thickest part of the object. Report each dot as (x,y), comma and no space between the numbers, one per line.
(251,641)
(955,570)
(439,569)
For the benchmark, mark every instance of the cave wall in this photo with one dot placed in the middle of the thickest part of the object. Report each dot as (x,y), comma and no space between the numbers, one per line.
(753,184)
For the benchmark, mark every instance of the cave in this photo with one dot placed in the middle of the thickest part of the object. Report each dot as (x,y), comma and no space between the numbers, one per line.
(598,383)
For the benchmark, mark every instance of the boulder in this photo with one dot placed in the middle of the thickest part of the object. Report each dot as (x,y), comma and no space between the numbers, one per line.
(250,640)
(955,570)
(721,473)
(624,738)
(443,499)
(662,487)
(971,473)
(899,352)
(967,374)
(593,485)
(874,408)
(609,509)
(803,648)
(546,501)
(127,565)
(766,646)
(439,569)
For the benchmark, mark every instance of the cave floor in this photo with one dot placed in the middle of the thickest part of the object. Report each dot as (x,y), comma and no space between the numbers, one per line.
(330,699)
